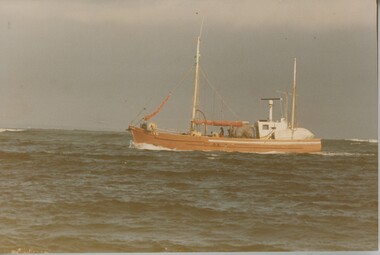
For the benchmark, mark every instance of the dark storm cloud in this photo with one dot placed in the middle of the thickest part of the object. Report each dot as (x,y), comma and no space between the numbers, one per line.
(95,64)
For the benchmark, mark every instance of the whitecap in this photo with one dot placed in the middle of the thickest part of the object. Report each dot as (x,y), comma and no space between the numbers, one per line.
(213,156)
(363,140)
(11,129)
(346,154)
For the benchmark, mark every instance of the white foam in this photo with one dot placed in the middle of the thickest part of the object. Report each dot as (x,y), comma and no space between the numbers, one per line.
(273,152)
(11,129)
(346,154)
(363,140)
(145,146)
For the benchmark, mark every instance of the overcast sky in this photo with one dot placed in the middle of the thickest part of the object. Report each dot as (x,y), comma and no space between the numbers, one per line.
(96,64)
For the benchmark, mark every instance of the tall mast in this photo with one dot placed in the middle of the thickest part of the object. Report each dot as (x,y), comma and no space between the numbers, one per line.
(196,81)
(294,95)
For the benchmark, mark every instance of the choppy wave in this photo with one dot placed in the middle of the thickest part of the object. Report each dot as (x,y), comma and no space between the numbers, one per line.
(11,129)
(363,140)
(86,191)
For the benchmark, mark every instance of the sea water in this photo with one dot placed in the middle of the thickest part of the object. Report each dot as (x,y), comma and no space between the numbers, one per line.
(83,191)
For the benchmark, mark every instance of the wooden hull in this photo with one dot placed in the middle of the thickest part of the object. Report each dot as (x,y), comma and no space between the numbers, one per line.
(206,143)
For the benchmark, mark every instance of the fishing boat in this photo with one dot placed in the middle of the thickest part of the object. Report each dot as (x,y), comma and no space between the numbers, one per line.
(263,136)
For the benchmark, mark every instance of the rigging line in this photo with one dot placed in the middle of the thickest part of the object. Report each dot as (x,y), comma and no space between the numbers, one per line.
(150,99)
(143,109)
(154,113)
(183,78)
(220,96)
(213,104)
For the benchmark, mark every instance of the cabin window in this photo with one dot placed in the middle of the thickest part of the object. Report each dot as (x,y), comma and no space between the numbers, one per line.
(265,127)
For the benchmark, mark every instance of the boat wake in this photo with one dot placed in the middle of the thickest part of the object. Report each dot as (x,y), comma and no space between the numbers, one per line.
(145,146)
(271,152)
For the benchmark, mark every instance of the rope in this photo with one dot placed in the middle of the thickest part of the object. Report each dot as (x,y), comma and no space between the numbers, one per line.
(143,109)
(181,81)
(145,105)
(221,98)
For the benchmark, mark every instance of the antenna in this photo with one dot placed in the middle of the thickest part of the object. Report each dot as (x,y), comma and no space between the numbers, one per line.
(294,95)
(200,32)
(270,102)
(203,19)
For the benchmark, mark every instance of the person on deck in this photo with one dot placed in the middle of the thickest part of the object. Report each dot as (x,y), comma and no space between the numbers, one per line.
(231,132)
(221,133)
